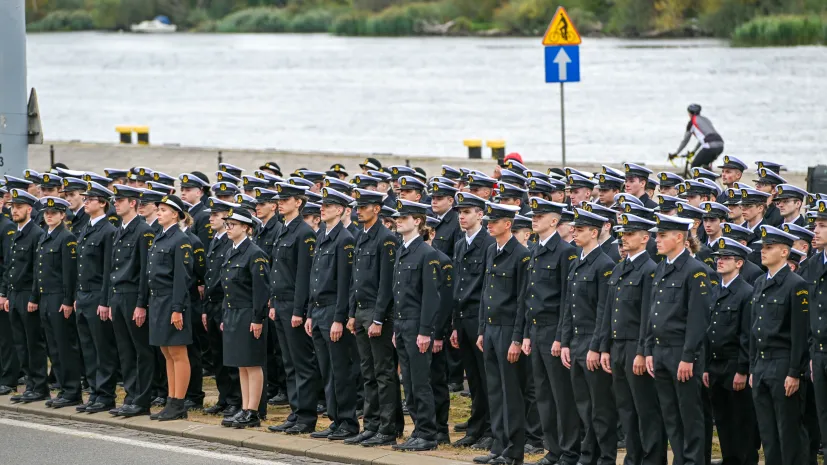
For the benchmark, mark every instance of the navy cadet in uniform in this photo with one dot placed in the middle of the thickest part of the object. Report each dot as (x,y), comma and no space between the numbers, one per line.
(72,190)
(778,350)
(416,298)
(788,199)
(500,335)
(245,275)
(371,304)
(469,259)
(813,272)
(587,291)
(635,183)
(195,388)
(290,288)
(625,318)
(170,277)
(548,270)
(330,280)
(129,300)
(766,182)
(54,293)
(679,315)
(97,337)
(9,363)
(727,357)
(226,378)
(25,321)
(750,272)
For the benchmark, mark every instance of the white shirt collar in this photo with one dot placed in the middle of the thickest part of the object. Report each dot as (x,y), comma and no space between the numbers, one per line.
(752,228)
(220,235)
(235,246)
(545,241)
(725,284)
(770,275)
(167,228)
(20,228)
(94,221)
(825,255)
(470,238)
(124,225)
(669,262)
(633,257)
(407,244)
(584,255)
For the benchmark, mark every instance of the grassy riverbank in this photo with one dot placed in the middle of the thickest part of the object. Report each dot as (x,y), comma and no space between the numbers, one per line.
(754,22)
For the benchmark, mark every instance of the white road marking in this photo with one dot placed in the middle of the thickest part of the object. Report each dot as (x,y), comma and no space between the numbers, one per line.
(136,443)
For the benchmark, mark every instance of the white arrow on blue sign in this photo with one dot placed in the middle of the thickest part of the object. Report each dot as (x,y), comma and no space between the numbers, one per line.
(563,63)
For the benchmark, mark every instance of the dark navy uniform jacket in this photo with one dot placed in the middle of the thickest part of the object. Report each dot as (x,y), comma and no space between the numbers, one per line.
(292,258)
(170,267)
(7,231)
(201,223)
(199,270)
(373,261)
(814,272)
(330,275)
(266,237)
(442,326)
(545,295)
(588,286)
(245,277)
(79,220)
(629,293)
(780,308)
(729,328)
(681,302)
(216,251)
(20,270)
(503,289)
(416,285)
(56,266)
(469,267)
(130,251)
(95,258)
(447,233)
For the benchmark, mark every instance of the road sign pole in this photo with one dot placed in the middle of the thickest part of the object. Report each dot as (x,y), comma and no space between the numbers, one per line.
(563,121)
(14,142)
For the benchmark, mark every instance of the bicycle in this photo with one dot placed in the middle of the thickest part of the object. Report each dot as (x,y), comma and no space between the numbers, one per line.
(688,156)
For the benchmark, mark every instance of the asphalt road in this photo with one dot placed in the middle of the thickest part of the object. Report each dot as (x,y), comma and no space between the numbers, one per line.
(32,440)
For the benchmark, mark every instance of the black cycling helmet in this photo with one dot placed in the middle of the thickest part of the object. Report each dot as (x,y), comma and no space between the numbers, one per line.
(694,109)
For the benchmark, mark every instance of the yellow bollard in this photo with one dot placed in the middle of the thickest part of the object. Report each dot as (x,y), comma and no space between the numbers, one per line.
(497,149)
(474,147)
(143,134)
(126,133)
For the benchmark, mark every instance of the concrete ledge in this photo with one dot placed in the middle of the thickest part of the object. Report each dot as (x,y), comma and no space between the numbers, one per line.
(298,446)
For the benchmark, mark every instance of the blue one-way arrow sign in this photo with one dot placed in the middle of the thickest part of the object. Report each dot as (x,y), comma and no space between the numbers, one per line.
(563,63)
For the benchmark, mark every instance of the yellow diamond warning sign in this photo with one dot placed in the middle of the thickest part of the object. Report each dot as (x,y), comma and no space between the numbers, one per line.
(561,31)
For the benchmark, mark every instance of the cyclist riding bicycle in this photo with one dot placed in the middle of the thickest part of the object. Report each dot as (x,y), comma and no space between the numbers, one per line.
(710,143)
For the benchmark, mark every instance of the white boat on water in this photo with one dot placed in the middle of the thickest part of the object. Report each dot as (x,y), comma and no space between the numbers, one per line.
(159,25)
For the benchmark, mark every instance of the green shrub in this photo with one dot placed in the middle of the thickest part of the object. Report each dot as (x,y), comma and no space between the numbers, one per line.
(317,20)
(353,23)
(462,25)
(195,18)
(260,19)
(531,17)
(782,30)
(61,20)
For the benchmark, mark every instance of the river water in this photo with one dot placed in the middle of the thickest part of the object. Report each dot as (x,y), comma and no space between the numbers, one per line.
(423,96)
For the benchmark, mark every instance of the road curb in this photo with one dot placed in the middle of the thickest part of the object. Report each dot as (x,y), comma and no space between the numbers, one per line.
(301,447)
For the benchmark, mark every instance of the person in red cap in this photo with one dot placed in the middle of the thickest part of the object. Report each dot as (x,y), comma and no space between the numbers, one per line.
(500,163)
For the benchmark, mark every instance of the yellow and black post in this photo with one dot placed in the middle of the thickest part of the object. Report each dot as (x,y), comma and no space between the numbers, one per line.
(126,133)
(497,149)
(474,148)
(143,134)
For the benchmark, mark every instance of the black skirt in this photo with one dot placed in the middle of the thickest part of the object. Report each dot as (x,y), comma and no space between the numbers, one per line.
(241,348)
(161,331)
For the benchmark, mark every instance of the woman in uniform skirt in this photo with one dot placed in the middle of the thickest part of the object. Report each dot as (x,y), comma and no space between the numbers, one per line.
(244,277)
(170,277)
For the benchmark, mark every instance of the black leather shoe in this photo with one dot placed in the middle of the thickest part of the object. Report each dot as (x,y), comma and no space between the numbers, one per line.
(465,394)
(159,402)
(215,409)
(19,397)
(621,444)
(417,445)
(228,421)
(532,449)
(129,411)
(506,461)
(378,440)
(544,461)
(98,407)
(49,402)
(6,390)
(231,411)
(190,405)
(717,462)
(443,439)
(60,402)
(54,387)
(405,410)
(299,428)
(460,427)
(175,411)
(341,434)
(323,434)
(250,419)
(483,444)
(117,410)
(467,441)
(282,428)
(485,458)
(33,397)
(455,387)
(82,406)
(279,399)
(364,435)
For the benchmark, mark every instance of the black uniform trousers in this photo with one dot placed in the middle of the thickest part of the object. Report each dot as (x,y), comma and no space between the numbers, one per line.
(276,377)
(778,416)
(226,378)
(637,407)
(555,399)
(479,424)
(809,417)
(195,388)
(455,365)
(200,338)
(734,414)
(680,404)
(819,388)
(159,376)
(62,342)
(136,355)
(533,426)
(300,365)
(439,384)
(9,358)
(505,393)
(416,379)
(335,365)
(596,406)
(382,405)
(29,341)
(97,341)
